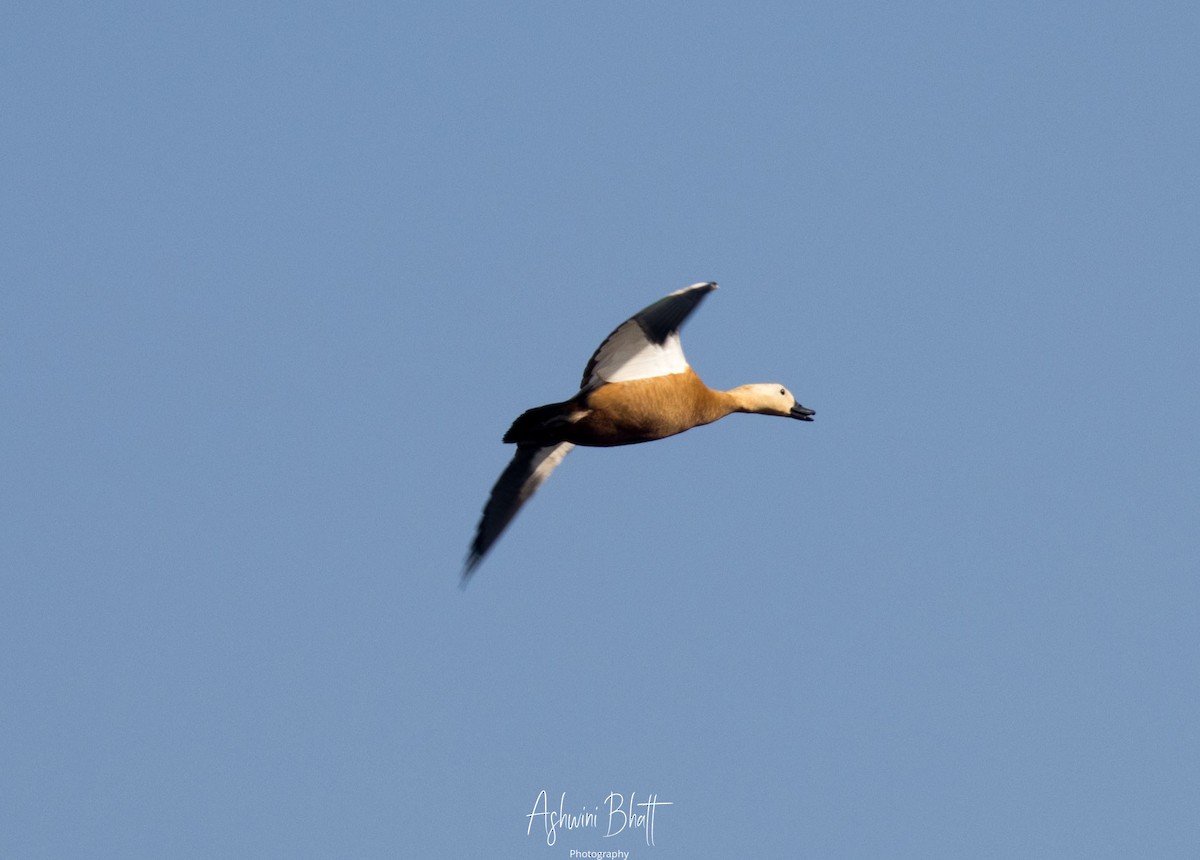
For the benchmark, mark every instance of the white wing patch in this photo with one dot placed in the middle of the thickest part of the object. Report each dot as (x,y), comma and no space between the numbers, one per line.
(544,462)
(628,354)
(647,344)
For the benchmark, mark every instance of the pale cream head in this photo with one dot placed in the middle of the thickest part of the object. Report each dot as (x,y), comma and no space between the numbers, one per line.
(769,398)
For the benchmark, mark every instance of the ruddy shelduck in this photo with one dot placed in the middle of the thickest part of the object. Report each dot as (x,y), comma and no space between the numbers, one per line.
(637,387)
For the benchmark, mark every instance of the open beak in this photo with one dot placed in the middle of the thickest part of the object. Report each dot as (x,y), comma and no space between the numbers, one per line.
(802,413)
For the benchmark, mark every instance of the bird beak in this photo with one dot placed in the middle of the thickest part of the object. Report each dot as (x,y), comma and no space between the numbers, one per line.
(802,413)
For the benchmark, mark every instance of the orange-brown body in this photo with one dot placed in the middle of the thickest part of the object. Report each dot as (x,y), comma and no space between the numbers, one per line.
(625,413)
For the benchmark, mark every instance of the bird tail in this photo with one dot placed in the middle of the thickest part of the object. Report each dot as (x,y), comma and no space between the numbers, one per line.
(542,425)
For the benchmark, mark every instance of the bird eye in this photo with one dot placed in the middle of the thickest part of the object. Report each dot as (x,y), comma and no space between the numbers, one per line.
(783,391)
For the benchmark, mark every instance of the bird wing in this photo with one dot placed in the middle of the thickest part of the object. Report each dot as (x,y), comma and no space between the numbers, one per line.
(529,468)
(647,344)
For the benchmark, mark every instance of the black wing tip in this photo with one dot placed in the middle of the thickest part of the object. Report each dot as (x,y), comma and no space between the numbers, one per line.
(474,558)
(701,289)
(695,292)
(515,486)
(663,318)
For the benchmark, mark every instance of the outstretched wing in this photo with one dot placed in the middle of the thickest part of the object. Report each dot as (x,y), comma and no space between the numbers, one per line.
(647,344)
(529,468)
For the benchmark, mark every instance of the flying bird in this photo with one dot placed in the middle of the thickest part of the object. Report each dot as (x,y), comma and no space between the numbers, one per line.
(637,387)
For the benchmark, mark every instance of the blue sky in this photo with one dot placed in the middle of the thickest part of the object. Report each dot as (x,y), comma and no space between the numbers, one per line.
(276,278)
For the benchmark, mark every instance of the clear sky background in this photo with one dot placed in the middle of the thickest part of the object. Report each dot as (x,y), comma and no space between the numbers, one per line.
(277,276)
